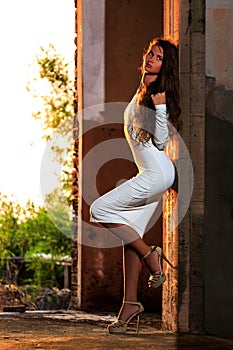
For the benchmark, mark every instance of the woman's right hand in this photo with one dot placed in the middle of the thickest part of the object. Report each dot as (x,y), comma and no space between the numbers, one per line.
(159,99)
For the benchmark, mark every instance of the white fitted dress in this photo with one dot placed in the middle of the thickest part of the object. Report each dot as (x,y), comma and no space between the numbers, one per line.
(134,202)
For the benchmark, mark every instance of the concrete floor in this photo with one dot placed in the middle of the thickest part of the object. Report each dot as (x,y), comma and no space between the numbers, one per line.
(78,330)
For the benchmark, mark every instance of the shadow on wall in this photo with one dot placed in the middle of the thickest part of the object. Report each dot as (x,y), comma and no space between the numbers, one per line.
(219,209)
(219,102)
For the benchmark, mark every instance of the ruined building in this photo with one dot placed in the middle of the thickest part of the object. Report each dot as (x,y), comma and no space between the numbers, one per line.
(110,37)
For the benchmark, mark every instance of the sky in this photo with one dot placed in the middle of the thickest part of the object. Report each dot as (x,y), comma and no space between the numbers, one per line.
(26,25)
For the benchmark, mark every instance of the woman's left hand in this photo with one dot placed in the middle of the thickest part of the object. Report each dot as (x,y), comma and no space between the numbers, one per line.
(159,99)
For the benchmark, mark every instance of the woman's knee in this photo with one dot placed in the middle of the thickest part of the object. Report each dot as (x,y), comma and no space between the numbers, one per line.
(95,210)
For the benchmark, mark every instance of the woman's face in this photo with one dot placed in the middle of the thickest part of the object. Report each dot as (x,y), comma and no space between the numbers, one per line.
(153,60)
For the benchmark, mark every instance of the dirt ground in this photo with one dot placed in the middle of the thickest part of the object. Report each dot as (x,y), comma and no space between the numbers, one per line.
(48,334)
(69,331)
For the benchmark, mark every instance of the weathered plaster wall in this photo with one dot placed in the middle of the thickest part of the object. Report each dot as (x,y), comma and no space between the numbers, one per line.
(191,229)
(219,43)
(219,168)
(93,29)
(130,25)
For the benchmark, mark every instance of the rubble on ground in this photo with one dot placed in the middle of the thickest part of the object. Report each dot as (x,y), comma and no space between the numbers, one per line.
(54,299)
(13,297)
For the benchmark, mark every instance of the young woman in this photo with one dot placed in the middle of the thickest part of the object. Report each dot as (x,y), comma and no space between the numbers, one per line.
(127,209)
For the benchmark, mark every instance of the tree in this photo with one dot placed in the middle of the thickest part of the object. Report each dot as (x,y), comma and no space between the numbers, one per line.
(57,111)
(58,102)
(50,246)
(26,233)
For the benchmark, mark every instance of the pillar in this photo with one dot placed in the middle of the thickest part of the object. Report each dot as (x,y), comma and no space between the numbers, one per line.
(185,22)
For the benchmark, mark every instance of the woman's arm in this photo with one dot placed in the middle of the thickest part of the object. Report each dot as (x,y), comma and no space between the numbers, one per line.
(161,134)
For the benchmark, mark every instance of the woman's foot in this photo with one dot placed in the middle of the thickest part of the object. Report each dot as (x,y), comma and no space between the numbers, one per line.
(152,261)
(127,310)
(126,314)
(157,277)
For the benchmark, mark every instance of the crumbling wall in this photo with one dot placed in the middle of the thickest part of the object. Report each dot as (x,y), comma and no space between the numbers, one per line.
(219,168)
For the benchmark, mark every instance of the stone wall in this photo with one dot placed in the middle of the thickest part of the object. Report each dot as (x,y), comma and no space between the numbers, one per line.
(219,168)
(185,292)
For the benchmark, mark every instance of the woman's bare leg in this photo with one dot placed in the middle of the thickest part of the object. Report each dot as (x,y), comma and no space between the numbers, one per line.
(131,270)
(132,239)
(133,252)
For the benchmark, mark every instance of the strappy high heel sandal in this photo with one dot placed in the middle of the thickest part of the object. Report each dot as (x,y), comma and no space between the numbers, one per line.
(120,326)
(157,278)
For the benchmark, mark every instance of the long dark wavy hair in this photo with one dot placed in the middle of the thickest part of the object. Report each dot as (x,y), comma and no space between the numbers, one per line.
(167,81)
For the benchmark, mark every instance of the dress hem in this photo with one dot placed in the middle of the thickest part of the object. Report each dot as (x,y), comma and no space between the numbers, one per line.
(139,232)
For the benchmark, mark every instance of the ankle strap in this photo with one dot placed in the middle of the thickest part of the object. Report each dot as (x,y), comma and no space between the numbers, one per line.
(153,248)
(132,302)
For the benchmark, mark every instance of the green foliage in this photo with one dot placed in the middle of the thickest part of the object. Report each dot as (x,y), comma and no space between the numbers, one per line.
(58,102)
(28,233)
(59,211)
(57,110)
(39,236)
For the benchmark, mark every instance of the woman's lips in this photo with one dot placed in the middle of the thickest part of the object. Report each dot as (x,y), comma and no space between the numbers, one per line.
(148,65)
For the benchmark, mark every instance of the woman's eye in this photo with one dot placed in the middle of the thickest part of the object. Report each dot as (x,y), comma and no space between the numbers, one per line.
(150,53)
(159,58)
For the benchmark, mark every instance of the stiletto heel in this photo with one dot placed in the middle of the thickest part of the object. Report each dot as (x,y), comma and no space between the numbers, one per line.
(138,324)
(120,326)
(163,256)
(158,278)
